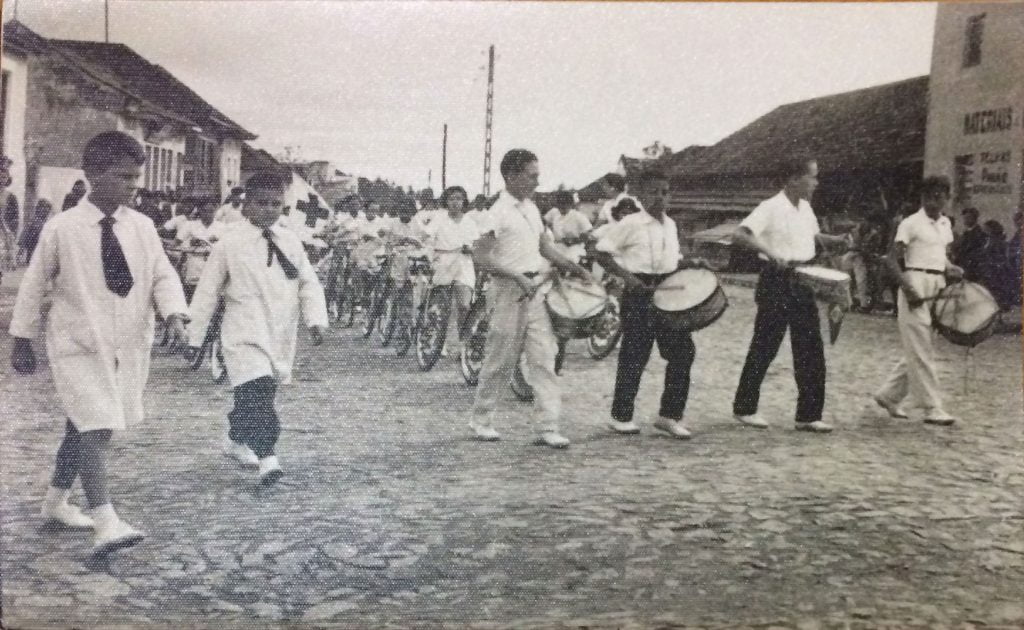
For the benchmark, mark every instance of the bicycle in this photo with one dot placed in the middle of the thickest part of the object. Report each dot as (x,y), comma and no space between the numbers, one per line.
(340,287)
(375,295)
(409,304)
(609,330)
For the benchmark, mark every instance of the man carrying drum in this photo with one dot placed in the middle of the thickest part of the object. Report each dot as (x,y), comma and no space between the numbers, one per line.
(643,249)
(922,241)
(512,248)
(784,231)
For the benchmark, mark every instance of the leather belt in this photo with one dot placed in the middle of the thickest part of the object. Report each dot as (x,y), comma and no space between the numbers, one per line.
(933,272)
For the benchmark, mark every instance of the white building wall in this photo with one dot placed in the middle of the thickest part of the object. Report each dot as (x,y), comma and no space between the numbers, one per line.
(14,122)
(230,165)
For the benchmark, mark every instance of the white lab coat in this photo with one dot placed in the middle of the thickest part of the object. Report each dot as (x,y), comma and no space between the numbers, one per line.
(98,343)
(259,328)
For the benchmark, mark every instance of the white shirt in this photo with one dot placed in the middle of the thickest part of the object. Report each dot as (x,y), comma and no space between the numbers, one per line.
(176,223)
(642,244)
(517,226)
(196,229)
(604,215)
(98,343)
(549,216)
(572,224)
(372,227)
(926,239)
(447,235)
(262,305)
(786,229)
(229,214)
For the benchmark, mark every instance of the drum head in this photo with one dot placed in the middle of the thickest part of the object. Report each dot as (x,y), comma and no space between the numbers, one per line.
(824,273)
(576,300)
(965,307)
(685,289)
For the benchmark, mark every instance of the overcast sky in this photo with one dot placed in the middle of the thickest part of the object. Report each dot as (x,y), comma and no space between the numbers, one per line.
(369,85)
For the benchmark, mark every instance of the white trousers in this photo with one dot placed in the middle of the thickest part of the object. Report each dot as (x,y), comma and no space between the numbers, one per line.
(518,327)
(915,372)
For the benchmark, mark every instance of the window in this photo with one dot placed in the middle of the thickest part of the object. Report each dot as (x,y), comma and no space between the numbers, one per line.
(972,40)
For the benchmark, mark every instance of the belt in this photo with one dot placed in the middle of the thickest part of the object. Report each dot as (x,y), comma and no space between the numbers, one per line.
(531,274)
(934,272)
(652,278)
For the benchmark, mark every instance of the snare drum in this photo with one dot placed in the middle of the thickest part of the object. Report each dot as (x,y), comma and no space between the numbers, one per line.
(575,308)
(965,313)
(690,299)
(828,285)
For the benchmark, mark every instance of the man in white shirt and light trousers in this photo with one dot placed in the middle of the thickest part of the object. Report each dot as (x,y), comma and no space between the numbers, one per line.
(512,248)
(922,240)
(784,231)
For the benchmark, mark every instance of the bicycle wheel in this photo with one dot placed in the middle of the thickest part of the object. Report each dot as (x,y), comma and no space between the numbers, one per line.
(386,323)
(520,386)
(474,339)
(433,328)
(609,332)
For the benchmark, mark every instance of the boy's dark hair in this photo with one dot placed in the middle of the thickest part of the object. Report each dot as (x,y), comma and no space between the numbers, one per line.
(624,208)
(451,190)
(650,175)
(103,150)
(515,162)
(616,181)
(970,210)
(564,199)
(793,166)
(267,180)
(934,184)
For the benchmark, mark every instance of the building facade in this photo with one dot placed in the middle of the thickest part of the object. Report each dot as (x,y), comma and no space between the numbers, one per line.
(975,134)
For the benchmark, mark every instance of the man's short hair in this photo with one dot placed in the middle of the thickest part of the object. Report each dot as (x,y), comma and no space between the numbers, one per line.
(267,180)
(935,184)
(650,175)
(515,162)
(564,199)
(616,181)
(103,150)
(793,166)
(970,210)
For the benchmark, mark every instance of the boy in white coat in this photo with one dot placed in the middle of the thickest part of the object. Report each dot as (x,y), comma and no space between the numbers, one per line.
(263,273)
(108,269)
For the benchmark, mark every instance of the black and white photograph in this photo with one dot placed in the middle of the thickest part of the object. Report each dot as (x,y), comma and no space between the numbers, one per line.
(328,314)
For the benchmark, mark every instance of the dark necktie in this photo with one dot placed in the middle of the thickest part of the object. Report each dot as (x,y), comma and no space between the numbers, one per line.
(115,267)
(273,250)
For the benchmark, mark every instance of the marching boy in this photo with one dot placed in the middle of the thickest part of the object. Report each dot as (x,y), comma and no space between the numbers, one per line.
(108,269)
(263,273)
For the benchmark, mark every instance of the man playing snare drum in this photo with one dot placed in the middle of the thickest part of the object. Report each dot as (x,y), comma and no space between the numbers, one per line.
(643,249)
(512,248)
(922,241)
(784,231)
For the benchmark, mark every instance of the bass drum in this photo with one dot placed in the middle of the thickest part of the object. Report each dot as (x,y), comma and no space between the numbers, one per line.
(965,313)
(690,299)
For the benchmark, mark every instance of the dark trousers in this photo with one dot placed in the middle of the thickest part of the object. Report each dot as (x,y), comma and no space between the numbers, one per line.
(640,329)
(782,304)
(253,421)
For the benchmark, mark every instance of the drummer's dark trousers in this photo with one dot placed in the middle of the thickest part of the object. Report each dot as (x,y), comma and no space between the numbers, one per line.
(640,329)
(253,421)
(782,304)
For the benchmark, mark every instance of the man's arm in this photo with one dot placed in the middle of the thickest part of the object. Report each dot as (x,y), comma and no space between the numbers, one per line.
(27,318)
(550,252)
(746,239)
(898,251)
(484,261)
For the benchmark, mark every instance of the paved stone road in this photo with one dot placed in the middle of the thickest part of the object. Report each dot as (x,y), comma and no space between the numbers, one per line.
(390,517)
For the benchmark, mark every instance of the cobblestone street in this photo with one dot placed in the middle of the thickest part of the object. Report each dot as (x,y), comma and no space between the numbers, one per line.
(389,515)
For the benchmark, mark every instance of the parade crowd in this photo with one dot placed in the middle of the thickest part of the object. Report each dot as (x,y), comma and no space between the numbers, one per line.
(100,271)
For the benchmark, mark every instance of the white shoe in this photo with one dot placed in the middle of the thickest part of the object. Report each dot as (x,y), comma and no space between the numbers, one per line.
(941,419)
(67,515)
(241,453)
(814,427)
(270,470)
(484,433)
(554,439)
(674,428)
(625,428)
(753,420)
(117,535)
(894,410)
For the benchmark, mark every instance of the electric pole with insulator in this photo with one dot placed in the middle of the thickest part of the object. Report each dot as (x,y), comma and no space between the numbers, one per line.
(489,129)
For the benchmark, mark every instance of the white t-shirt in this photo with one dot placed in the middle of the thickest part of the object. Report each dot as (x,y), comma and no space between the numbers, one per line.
(786,229)
(642,244)
(926,239)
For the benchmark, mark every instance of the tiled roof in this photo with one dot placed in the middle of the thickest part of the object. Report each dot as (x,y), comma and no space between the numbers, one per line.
(132,73)
(876,127)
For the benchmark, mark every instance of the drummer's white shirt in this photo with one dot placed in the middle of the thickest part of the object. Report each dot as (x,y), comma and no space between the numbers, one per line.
(604,215)
(640,244)
(517,226)
(926,240)
(786,229)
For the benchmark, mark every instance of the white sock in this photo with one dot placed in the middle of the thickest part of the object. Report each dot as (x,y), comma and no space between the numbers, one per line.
(104,516)
(56,497)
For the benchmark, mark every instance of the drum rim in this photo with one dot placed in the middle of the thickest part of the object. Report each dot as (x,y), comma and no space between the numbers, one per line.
(718,291)
(703,272)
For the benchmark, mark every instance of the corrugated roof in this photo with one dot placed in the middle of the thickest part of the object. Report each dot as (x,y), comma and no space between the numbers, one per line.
(121,64)
(875,127)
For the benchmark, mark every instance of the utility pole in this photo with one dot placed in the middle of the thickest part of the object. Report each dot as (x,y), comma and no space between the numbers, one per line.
(489,130)
(444,159)
(106,21)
